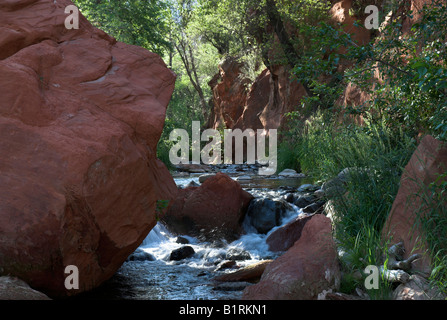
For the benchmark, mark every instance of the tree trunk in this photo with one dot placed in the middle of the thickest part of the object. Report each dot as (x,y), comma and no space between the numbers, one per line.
(186,54)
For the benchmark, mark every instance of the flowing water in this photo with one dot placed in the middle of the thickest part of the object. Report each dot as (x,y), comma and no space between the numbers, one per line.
(191,278)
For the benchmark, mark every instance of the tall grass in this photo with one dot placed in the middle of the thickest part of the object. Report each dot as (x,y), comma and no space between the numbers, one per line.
(376,156)
(432,220)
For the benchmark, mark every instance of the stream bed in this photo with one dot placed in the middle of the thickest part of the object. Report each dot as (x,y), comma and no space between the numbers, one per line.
(191,278)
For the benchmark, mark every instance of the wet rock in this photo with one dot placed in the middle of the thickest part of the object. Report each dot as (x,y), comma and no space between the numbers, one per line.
(228,264)
(237,254)
(182,253)
(265,213)
(182,240)
(141,255)
(289,197)
(302,201)
(316,207)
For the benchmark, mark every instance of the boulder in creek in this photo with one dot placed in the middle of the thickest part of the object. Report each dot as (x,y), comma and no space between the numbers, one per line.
(80,118)
(264,214)
(214,210)
(305,270)
(182,253)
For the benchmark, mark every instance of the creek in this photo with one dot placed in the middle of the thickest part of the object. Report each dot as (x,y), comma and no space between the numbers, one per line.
(191,278)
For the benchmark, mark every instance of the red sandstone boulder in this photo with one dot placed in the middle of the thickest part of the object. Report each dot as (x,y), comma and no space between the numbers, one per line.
(283,238)
(80,118)
(425,166)
(305,270)
(215,209)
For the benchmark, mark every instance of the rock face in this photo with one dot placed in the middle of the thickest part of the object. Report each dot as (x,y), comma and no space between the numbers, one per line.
(426,164)
(229,93)
(214,210)
(305,270)
(239,104)
(80,119)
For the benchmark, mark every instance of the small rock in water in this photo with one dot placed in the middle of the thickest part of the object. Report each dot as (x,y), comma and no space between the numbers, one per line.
(237,254)
(246,177)
(182,240)
(182,253)
(316,207)
(308,188)
(304,200)
(265,214)
(141,255)
(228,264)
(290,173)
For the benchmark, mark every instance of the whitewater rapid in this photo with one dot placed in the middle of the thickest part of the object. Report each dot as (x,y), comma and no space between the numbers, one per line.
(190,278)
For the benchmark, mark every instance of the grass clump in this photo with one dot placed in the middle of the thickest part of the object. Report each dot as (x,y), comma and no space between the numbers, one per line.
(373,156)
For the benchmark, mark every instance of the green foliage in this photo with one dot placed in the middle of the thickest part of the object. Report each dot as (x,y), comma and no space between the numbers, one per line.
(160,208)
(141,23)
(375,155)
(412,90)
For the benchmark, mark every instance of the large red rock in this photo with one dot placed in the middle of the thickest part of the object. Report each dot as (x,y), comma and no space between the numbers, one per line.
(216,209)
(283,238)
(80,118)
(305,270)
(428,162)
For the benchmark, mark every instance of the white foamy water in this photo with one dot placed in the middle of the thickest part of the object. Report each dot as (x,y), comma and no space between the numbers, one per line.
(160,242)
(191,278)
